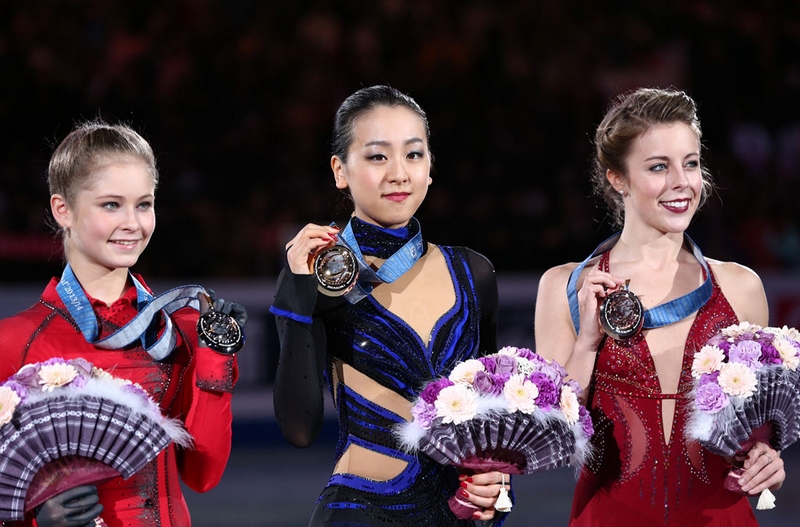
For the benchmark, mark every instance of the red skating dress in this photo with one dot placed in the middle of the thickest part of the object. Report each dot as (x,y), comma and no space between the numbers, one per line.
(193,384)
(636,478)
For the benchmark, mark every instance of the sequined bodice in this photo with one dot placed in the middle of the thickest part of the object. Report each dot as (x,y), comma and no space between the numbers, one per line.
(634,468)
(379,344)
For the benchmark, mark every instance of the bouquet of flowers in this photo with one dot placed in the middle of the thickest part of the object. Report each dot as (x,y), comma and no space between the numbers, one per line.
(747,389)
(65,423)
(512,411)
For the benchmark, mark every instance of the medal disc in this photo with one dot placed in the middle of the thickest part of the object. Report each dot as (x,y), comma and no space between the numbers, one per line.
(220,332)
(621,314)
(336,270)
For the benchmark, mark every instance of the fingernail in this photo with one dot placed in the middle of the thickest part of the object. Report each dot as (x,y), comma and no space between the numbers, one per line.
(463,493)
(335,227)
(464,484)
(469,480)
(462,477)
(476,515)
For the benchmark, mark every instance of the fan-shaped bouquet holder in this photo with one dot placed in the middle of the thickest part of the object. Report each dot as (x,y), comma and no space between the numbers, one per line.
(512,411)
(66,424)
(747,390)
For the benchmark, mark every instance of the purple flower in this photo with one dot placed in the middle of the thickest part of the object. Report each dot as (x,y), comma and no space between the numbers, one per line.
(423,413)
(487,384)
(83,366)
(525,353)
(80,380)
(488,363)
(708,377)
(770,355)
(554,372)
(586,421)
(548,391)
(54,360)
(722,343)
(538,361)
(501,379)
(710,398)
(28,375)
(746,352)
(20,389)
(505,364)
(431,391)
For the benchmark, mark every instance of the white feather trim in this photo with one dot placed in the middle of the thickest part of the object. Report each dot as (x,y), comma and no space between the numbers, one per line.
(110,390)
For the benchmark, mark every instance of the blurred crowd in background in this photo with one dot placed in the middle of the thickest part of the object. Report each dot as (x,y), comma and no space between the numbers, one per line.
(237,98)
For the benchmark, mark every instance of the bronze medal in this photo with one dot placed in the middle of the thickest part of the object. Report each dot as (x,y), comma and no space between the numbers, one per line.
(621,313)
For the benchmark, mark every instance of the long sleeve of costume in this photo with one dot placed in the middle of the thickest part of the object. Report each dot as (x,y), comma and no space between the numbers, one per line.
(206,405)
(486,288)
(298,391)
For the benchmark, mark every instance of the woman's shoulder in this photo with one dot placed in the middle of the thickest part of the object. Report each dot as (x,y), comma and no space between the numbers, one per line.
(559,275)
(743,288)
(733,275)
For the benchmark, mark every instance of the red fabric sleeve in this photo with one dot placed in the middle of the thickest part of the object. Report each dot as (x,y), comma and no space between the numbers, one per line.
(206,405)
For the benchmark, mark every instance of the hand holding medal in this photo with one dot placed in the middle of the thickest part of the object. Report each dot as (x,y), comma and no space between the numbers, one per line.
(217,328)
(621,313)
(335,268)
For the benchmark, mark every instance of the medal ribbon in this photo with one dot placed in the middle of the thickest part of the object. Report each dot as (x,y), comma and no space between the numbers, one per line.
(393,268)
(661,315)
(141,326)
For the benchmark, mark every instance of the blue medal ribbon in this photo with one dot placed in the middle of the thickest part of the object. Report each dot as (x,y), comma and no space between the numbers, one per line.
(661,315)
(141,326)
(393,268)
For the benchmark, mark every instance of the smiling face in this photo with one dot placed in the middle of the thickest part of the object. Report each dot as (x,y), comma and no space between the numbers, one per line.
(388,166)
(663,185)
(109,223)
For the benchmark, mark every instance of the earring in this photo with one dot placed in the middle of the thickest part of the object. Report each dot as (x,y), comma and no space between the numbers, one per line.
(621,192)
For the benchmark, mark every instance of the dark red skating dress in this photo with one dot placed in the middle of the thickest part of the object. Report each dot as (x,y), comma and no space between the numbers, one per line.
(636,478)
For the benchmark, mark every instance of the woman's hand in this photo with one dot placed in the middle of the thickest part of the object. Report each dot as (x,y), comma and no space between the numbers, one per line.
(763,470)
(76,507)
(482,491)
(596,286)
(308,241)
(237,311)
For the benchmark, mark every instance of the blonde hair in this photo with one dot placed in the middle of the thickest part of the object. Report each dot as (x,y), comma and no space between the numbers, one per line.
(88,146)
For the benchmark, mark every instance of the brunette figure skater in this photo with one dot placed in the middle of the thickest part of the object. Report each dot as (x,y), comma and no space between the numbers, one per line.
(644,470)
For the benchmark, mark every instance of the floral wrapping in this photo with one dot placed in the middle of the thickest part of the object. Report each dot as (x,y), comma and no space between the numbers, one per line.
(512,411)
(65,423)
(747,389)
